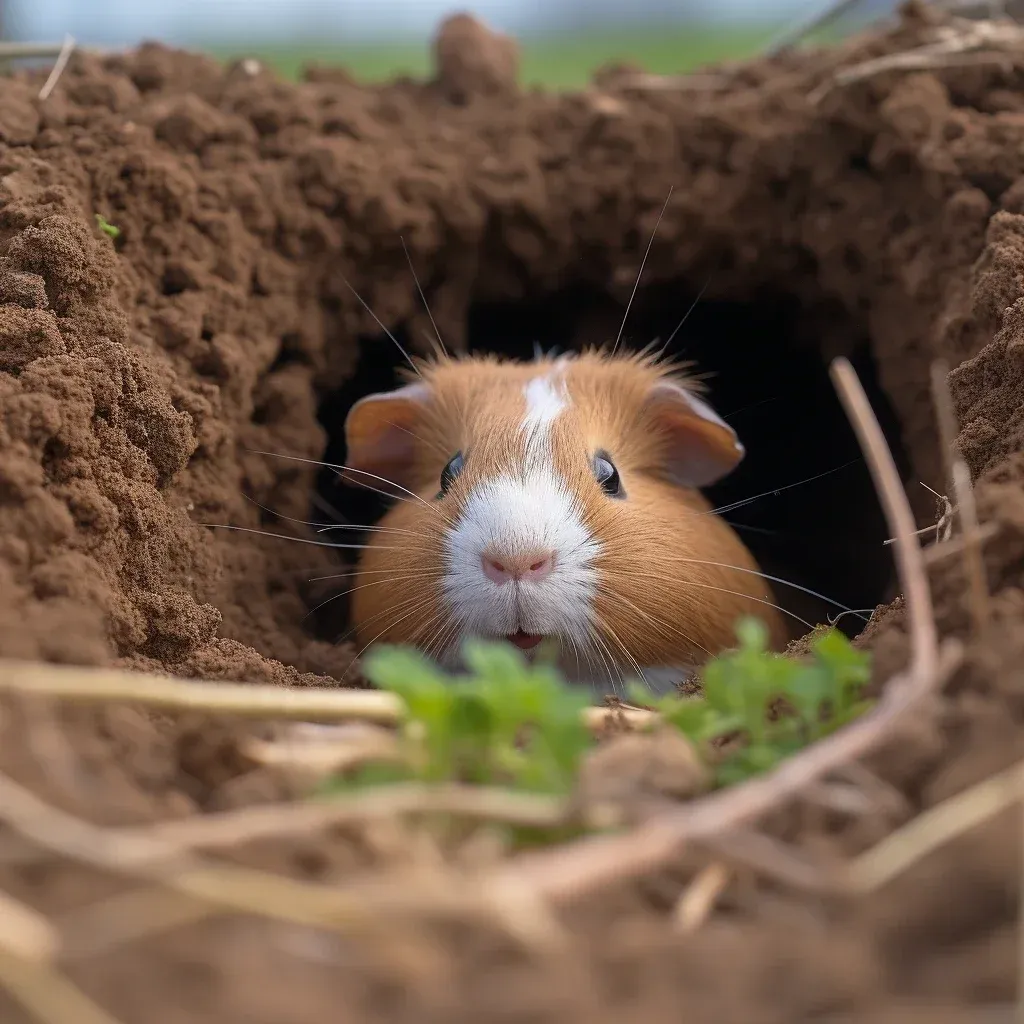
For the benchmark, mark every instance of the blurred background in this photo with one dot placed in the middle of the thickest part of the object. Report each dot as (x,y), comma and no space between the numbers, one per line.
(562,40)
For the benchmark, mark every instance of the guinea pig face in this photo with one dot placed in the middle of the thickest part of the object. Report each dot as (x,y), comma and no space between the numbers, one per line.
(538,498)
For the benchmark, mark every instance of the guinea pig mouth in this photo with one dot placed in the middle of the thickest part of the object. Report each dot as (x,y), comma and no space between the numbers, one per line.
(524,641)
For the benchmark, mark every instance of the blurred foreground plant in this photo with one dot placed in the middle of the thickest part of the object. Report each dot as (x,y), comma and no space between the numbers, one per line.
(506,722)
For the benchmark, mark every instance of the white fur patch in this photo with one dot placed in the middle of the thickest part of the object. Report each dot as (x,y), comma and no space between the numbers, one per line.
(512,514)
(546,399)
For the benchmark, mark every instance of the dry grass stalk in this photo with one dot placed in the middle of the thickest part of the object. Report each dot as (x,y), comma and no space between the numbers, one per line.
(60,64)
(145,857)
(932,829)
(232,828)
(47,995)
(578,867)
(125,918)
(24,932)
(791,37)
(699,897)
(961,44)
(106,685)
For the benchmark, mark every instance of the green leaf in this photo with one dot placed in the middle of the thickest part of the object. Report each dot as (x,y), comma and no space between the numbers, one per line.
(106,227)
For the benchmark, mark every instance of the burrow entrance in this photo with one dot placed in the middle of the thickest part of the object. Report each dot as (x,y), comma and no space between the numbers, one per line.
(802,500)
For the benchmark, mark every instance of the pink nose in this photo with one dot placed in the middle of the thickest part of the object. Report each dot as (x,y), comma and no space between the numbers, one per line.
(531,565)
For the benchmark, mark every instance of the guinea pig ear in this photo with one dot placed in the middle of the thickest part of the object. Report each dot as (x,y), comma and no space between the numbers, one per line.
(380,440)
(702,448)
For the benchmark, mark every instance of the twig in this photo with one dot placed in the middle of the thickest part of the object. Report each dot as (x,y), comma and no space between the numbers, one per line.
(947,549)
(47,995)
(698,898)
(932,828)
(102,685)
(943,525)
(24,932)
(230,828)
(795,34)
(960,45)
(58,68)
(768,856)
(575,868)
(19,51)
(231,887)
(957,472)
(126,918)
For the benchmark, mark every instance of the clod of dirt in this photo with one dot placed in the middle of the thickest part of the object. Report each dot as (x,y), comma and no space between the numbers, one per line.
(472,60)
(631,774)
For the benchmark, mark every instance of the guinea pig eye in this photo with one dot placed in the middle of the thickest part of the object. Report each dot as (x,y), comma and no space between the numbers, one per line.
(607,475)
(450,472)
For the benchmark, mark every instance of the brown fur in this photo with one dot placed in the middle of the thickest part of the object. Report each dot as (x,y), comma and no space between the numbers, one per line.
(656,601)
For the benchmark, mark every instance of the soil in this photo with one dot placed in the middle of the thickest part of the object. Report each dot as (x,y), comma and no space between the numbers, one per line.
(143,377)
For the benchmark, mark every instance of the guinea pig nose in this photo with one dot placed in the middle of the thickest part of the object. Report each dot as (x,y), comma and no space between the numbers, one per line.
(529,565)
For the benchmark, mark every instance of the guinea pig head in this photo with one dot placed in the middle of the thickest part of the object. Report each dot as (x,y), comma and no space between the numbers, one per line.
(557,499)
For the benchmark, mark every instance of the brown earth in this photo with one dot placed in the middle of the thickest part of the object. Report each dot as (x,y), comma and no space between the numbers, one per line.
(141,375)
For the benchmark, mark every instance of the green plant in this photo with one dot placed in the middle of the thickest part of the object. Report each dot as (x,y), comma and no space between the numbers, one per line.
(772,705)
(509,723)
(106,226)
(505,722)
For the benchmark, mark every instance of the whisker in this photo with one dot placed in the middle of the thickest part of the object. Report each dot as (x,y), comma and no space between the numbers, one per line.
(777,490)
(640,272)
(394,340)
(657,621)
(426,305)
(622,647)
(834,620)
(753,529)
(429,571)
(721,590)
(323,527)
(686,316)
(417,600)
(755,572)
(362,586)
(362,472)
(395,622)
(294,540)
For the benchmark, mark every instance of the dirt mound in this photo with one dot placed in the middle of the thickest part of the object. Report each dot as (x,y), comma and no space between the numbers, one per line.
(180,248)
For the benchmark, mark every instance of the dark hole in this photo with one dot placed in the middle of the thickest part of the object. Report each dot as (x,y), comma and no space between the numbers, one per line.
(336,503)
(176,279)
(802,499)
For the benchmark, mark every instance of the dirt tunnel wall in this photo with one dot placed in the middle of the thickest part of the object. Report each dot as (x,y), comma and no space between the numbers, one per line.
(141,374)
(141,371)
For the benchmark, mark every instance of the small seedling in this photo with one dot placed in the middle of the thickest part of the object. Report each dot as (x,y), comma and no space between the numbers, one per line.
(771,705)
(506,722)
(106,226)
(510,723)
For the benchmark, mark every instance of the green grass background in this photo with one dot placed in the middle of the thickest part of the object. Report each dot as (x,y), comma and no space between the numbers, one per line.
(555,62)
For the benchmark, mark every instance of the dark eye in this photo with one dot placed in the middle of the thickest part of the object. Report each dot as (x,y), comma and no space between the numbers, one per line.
(607,475)
(450,472)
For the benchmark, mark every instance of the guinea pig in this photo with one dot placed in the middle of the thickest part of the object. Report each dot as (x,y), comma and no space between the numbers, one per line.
(553,500)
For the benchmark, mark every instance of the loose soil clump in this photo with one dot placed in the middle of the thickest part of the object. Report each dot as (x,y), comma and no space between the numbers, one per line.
(145,377)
